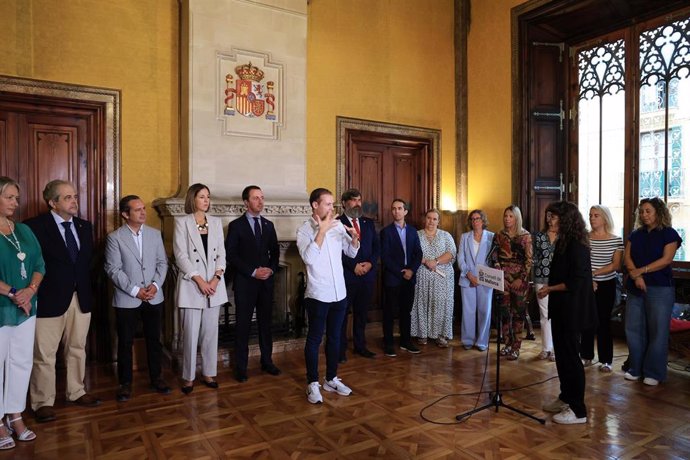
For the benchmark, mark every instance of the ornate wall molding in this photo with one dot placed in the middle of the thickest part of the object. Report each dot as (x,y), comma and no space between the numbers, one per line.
(174,207)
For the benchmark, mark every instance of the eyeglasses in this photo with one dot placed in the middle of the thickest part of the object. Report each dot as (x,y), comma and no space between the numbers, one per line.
(473,219)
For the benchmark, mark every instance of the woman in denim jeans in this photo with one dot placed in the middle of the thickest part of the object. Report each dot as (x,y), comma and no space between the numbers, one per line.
(648,255)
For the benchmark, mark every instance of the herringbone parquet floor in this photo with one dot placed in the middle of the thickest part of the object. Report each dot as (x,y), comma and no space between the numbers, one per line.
(388,415)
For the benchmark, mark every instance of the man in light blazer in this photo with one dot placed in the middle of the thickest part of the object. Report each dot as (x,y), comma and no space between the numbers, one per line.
(64,300)
(253,253)
(135,261)
(401,256)
(360,273)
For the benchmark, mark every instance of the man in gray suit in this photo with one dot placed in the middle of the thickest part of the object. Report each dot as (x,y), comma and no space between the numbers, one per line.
(135,261)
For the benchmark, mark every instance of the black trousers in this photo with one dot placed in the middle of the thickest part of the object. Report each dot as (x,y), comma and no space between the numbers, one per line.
(398,299)
(126,328)
(358,300)
(250,295)
(571,372)
(605,296)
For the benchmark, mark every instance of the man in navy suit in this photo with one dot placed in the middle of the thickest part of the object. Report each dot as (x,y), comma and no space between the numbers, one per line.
(64,299)
(253,253)
(360,273)
(401,256)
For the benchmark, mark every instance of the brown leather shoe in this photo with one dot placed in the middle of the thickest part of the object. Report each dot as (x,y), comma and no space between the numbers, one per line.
(44,414)
(87,400)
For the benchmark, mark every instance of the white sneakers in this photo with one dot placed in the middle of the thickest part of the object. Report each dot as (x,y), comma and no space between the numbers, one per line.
(335,386)
(568,417)
(555,406)
(650,381)
(313,393)
(629,376)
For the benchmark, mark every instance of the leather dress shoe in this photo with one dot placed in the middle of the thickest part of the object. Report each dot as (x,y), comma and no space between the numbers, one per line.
(210,383)
(159,386)
(45,414)
(342,359)
(87,400)
(366,353)
(271,369)
(124,392)
(187,389)
(241,376)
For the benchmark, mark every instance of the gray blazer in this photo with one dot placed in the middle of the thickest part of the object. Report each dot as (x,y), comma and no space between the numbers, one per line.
(191,260)
(127,269)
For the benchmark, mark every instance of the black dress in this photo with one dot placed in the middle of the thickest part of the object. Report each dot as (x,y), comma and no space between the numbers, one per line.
(571,312)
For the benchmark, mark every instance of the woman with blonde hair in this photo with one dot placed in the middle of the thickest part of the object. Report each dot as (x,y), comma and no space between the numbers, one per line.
(432,310)
(473,250)
(512,253)
(21,271)
(199,249)
(607,254)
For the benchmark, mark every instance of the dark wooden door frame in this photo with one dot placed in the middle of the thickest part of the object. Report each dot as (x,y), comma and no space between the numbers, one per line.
(104,104)
(345,125)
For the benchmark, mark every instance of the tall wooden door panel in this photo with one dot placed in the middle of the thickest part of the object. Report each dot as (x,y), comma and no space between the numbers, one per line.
(545,170)
(43,142)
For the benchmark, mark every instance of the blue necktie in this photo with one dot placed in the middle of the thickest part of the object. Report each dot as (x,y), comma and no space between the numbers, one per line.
(257,231)
(71,242)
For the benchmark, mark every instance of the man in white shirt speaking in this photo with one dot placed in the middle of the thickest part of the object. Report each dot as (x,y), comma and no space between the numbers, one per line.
(321,241)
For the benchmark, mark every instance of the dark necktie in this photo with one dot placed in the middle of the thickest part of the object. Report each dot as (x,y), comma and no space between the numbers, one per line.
(257,231)
(357,229)
(71,242)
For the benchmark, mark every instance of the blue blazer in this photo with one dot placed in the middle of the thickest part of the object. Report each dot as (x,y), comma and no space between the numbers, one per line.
(466,258)
(393,257)
(244,256)
(369,251)
(63,276)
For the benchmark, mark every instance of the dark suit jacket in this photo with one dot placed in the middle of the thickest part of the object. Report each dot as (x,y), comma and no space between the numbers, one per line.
(369,251)
(242,252)
(576,307)
(393,257)
(63,276)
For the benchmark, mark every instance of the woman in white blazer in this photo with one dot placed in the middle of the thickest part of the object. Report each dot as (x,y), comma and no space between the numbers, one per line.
(199,249)
(473,250)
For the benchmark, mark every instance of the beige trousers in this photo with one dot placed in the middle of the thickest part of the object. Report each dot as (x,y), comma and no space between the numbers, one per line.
(71,329)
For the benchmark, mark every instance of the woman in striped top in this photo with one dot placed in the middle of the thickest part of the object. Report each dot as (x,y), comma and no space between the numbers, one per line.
(607,254)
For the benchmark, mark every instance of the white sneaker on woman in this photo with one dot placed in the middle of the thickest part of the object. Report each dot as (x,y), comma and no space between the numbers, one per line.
(568,417)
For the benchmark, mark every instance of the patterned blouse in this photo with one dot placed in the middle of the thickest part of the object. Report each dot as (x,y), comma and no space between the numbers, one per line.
(514,257)
(543,253)
(602,254)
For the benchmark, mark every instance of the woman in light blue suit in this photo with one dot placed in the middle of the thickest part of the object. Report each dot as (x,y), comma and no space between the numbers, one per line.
(199,248)
(473,250)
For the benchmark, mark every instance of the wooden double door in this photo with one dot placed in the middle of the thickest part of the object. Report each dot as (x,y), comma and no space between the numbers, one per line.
(42,139)
(385,167)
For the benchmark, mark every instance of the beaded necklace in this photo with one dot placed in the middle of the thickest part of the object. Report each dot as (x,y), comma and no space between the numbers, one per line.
(21,255)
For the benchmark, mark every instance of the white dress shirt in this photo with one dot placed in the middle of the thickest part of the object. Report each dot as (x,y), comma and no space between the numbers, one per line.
(325,280)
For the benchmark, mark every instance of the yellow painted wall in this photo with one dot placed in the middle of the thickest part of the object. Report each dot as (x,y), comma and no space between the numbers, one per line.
(130,45)
(382,60)
(489,108)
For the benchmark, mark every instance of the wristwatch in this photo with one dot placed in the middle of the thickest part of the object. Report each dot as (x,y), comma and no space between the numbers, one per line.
(217,276)
(12,292)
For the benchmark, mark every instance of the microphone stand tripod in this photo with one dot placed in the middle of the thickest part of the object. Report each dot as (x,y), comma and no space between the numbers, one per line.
(497,398)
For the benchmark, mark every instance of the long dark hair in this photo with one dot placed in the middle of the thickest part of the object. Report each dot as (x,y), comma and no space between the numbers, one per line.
(571,225)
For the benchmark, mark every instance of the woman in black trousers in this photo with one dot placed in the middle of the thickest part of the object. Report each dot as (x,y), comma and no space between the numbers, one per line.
(571,310)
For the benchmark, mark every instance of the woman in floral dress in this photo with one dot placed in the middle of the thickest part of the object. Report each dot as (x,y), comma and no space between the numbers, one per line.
(512,253)
(432,311)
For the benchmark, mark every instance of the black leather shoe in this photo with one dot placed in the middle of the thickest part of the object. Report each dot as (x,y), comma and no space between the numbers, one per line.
(159,386)
(210,383)
(187,389)
(342,359)
(271,369)
(124,392)
(241,376)
(45,414)
(366,353)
